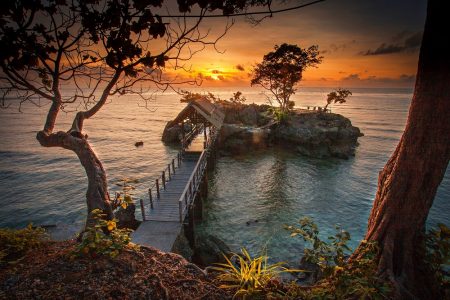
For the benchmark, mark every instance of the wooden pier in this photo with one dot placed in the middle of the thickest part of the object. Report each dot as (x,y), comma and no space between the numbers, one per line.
(175,200)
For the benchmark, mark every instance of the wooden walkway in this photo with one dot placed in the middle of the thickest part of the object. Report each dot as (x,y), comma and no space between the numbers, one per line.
(166,207)
(173,196)
(162,223)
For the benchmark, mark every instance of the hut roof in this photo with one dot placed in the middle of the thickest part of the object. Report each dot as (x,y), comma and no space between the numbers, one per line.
(211,112)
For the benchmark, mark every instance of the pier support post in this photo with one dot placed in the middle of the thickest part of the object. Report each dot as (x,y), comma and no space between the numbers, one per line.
(150,198)
(190,227)
(198,208)
(163,179)
(157,188)
(142,209)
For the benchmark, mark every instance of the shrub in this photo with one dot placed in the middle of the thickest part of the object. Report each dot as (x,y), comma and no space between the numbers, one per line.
(279,115)
(250,276)
(438,254)
(237,98)
(103,238)
(326,255)
(124,198)
(14,244)
(357,279)
(343,279)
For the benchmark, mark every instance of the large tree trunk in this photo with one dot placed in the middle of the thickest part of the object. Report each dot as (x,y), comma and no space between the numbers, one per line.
(97,196)
(408,183)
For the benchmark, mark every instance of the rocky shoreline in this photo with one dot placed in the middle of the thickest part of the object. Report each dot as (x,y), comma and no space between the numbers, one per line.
(310,133)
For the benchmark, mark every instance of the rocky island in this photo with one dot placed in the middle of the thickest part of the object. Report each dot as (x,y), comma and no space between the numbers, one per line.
(311,133)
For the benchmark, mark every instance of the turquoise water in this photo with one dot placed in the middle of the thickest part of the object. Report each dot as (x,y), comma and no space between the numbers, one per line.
(279,187)
(275,187)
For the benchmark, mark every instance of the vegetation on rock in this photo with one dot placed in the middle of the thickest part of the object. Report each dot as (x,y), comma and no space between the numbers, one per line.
(14,244)
(337,96)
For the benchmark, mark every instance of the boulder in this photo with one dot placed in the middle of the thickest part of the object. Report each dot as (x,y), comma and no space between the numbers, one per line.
(181,246)
(319,134)
(237,139)
(249,115)
(171,133)
(313,274)
(209,250)
(126,217)
(245,114)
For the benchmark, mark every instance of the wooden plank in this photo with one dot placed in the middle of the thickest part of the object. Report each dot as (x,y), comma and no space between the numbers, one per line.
(162,222)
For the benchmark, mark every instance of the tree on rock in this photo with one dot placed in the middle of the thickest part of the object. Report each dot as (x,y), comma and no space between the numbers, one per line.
(282,69)
(408,183)
(337,96)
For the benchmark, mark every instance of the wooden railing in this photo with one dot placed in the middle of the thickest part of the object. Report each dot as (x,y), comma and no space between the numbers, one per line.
(161,180)
(193,184)
(166,174)
(191,135)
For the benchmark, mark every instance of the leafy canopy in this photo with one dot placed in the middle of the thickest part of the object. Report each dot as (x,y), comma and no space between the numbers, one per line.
(338,96)
(282,69)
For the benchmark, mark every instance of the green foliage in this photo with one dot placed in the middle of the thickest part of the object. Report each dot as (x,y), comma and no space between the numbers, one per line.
(279,115)
(14,244)
(357,279)
(103,238)
(282,69)
(124,198)
(324,254)
(343,279)
(337,96)
(250,276)
(190,96)
(438,254)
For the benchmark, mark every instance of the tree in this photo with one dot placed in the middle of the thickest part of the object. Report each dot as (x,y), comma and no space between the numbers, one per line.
(282,69)
(238,98)
(408,183)
(337,96)
(100,49)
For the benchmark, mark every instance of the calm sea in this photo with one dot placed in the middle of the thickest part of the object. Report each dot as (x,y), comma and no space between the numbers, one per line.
(275,187)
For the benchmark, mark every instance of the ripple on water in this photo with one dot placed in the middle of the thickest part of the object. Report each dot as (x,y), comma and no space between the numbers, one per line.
(47,185)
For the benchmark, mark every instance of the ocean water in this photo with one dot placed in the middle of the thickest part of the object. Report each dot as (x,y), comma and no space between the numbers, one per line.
(275,187)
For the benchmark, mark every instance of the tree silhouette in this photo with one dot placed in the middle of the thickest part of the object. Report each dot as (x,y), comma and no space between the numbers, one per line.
(408,182)
(98,49)
(337,96)
(282,69)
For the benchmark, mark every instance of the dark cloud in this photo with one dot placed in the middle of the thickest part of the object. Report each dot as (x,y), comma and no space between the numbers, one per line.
(405,77)
(403,42)
(240,68)
(399,37)
(338,47)
(352,77)
(402,79)
(414,40)
(335,47)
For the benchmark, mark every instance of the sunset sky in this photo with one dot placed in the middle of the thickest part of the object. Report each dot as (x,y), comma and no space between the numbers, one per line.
(364,43)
